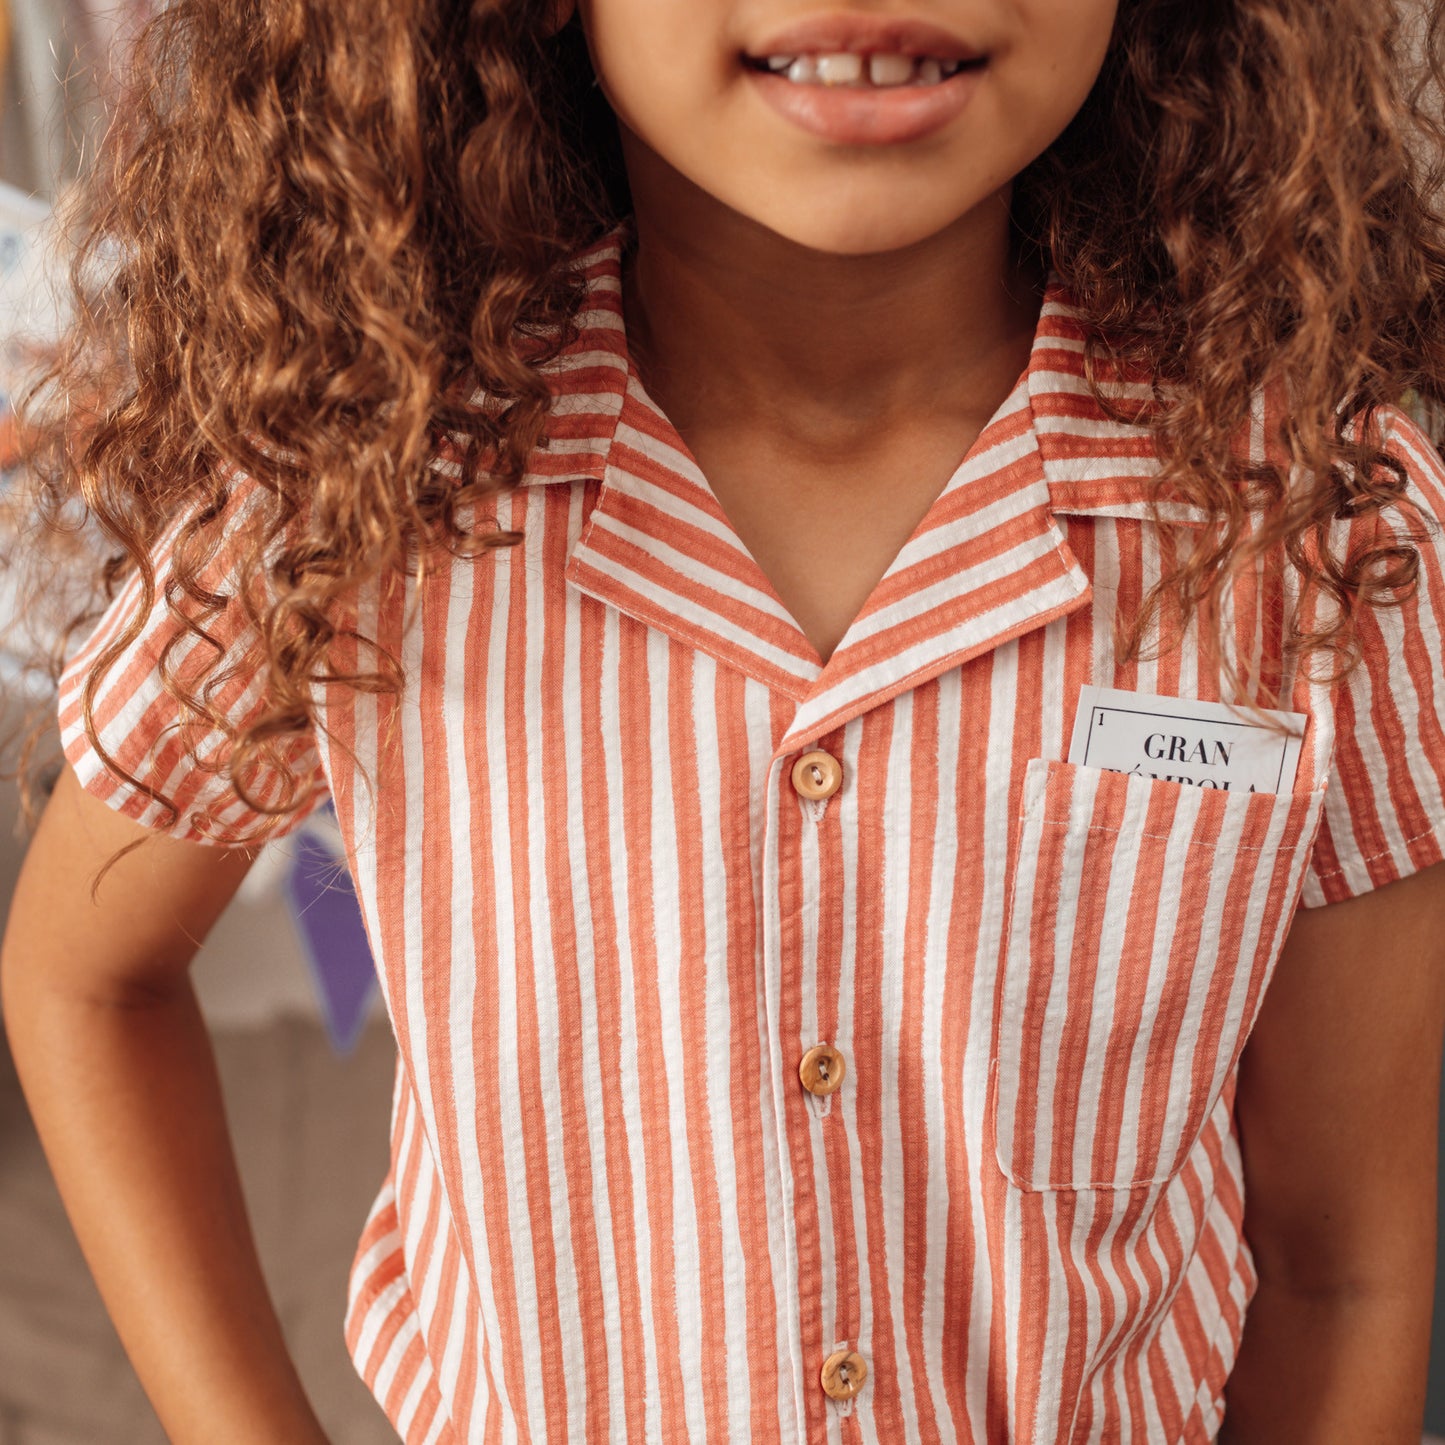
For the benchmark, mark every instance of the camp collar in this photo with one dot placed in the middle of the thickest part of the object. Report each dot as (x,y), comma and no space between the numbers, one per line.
(987,563)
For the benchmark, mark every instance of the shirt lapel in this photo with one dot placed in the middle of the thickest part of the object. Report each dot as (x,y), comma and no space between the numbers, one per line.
(658,546)
(1094,464)
(987,563)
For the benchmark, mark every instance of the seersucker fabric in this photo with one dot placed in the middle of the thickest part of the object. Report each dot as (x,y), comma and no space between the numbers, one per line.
(608,927)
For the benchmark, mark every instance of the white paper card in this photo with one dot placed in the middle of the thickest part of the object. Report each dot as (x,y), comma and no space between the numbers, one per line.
(1178,740)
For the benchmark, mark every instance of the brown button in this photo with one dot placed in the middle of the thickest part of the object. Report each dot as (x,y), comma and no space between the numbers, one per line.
(843,1374)
(821,1069)
(817,774)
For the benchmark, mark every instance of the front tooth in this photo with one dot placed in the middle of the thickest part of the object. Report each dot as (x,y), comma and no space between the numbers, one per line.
(804,70)
(779,62)
(846,69)
(930,72)
(890,69)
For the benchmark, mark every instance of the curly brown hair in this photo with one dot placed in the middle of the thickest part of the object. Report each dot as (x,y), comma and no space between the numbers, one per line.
(319,229)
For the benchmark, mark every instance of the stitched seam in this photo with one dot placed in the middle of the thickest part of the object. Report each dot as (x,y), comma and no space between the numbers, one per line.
(1375,857)
(1157,837)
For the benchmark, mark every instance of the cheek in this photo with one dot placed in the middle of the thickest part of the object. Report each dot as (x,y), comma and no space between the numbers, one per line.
(1068,42)
(652,65)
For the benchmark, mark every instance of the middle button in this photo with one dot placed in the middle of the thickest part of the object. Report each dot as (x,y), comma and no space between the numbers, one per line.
(821,1069)
(817,774)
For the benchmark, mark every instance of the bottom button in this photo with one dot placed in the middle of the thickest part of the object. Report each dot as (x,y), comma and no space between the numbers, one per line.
(843,1374)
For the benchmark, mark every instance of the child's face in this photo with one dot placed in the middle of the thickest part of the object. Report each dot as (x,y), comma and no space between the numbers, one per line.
(839,167)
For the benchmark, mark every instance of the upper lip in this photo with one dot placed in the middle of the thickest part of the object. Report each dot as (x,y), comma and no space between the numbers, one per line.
(839,33)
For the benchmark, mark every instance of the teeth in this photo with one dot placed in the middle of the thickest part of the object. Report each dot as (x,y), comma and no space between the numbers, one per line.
(851,68)
(890,69)
(845,69)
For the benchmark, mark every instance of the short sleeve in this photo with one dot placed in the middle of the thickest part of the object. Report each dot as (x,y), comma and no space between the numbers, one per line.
(1384,810)
(159,749)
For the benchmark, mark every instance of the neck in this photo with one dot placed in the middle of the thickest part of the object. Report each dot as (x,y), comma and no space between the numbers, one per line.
(812,344)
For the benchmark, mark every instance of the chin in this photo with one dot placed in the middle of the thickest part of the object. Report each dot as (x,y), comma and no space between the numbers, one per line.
(856,230)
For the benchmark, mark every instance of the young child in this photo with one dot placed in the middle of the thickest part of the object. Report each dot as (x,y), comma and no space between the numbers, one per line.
(785,530)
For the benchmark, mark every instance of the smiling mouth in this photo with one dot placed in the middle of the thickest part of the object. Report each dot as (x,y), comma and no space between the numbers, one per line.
(878,70)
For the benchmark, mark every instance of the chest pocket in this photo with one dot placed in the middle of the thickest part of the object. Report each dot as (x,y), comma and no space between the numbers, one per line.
(1144,922)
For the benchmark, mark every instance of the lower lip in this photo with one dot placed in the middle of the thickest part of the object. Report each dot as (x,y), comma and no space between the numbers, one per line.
(867,115)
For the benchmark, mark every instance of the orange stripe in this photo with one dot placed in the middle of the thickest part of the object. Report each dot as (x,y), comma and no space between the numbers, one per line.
(916,1068)
(485,1023)
(685,765)
(532,976)
(638,768)
(746,1086)
(557,785)
(594,802)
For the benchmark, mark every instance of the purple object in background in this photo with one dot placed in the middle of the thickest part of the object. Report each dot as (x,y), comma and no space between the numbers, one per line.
(328,923)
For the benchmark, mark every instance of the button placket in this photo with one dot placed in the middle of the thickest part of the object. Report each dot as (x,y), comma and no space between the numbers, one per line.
(817,775)
(814,808)
(792,883)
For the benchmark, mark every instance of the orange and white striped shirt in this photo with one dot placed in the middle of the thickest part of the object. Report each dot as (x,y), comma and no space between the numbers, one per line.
(631,937)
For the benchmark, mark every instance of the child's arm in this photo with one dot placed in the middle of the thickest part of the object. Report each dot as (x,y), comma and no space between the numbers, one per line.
(1337,1111)
(116,1063)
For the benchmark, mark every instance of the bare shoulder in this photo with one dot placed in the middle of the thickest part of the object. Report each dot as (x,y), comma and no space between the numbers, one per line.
(81,926)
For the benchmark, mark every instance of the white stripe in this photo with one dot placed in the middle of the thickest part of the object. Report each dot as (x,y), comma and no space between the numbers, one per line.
(937,997)
(767,777)
(719,944)
(790,1304)
(612,685)
(462,607)
(381,1309)
(574,753)
(366,1265)
(548,981)
(390,1367)
(1173,886)
(691,567)
(500,726)
(898,883)
(411,1401)
(803,970)
(671,965)
(917,602)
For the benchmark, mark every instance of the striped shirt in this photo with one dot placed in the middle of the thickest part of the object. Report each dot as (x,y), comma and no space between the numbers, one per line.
(643,879)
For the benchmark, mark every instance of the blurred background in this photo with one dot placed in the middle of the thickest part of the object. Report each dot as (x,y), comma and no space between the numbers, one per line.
(305,1053)
(306,1056)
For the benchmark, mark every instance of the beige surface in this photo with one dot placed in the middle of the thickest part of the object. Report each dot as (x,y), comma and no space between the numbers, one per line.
(310,1133)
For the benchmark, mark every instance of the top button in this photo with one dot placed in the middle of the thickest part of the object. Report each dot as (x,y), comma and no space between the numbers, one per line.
(843,1374)
(817,774)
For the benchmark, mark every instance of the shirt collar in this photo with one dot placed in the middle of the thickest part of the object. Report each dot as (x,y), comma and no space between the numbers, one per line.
(987,563)
(1094,465)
